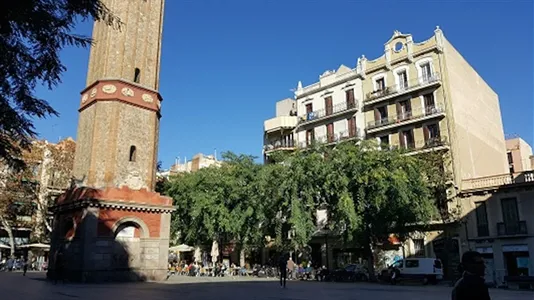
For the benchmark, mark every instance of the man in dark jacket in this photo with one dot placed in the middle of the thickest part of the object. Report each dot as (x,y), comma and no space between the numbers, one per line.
(471,286)
(282,264)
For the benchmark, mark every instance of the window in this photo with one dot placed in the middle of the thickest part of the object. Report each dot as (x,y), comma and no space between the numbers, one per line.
(133,153)
(328,105)
(510,214)
(407,139)
(380,84)
(310,137)
(418,247)
(431,134)
(349,96)
(404,110)
(482,219)
(384,141)
(137,75)
(403,80)
(426,72)
(351,124)
(430,105)
(510,162)
(330,132)
(309,111)
(381,115)
(412,263)
(309,108)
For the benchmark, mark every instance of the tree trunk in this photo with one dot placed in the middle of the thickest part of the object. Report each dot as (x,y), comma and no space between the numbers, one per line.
(242,258)
(368,250)
(9,231)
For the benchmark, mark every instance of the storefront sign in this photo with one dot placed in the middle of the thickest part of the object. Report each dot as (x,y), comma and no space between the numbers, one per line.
(515,248)
(485,250)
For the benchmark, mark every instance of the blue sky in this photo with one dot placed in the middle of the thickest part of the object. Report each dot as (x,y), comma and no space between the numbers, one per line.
(226,63)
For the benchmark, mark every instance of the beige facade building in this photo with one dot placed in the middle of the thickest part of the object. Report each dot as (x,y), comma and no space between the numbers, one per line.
(198,162)
(424,96)
(519,155)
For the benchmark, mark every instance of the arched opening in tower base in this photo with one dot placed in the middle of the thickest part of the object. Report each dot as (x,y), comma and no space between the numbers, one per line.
(113,235)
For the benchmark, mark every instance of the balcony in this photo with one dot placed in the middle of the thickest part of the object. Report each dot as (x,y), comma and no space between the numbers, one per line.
(401,89)
(406,118)
(512,228)
(498,180)
(284,144)
(431,144)
(323,114)
(335,138)
(282,122)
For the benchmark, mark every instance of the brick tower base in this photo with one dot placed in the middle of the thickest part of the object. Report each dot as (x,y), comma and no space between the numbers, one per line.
(113,234)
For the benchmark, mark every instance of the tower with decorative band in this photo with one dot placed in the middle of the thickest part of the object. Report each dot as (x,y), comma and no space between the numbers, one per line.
(111,225)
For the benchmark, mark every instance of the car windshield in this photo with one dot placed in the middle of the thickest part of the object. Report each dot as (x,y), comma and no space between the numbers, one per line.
(350,268)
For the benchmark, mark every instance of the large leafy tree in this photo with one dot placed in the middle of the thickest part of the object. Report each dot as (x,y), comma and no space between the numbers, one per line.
(32,33)
(389,193)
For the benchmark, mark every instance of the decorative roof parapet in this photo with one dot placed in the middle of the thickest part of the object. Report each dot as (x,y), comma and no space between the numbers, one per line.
(117,198)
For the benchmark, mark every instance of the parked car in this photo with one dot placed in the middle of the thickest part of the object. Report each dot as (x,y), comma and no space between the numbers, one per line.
(352,272)
(428,270)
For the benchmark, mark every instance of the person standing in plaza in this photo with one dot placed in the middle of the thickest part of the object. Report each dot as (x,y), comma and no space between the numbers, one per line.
(291,268)
(58,266)
(282,264)
(471,286)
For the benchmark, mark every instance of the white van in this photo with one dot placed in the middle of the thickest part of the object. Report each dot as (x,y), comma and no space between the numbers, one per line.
(429,270)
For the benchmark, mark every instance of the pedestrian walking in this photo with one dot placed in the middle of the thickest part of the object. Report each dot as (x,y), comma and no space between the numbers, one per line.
(24,266)
(472,285)
(282,264)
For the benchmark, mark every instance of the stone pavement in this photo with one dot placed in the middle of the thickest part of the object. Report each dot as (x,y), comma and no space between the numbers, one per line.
(13,286)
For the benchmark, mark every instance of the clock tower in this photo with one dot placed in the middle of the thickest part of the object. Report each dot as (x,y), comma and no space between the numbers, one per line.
(111,225)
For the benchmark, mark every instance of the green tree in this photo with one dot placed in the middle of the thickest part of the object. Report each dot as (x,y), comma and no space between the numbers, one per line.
(32,33)
(389,192)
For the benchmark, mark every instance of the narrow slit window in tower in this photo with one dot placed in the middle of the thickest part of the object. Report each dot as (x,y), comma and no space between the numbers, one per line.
(133,153)
(137,75)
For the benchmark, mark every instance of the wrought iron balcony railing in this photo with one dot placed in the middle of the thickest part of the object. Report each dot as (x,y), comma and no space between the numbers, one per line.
(406,116)
(280,144)
(335,138)
(512,228)
(403,87)
(329,111)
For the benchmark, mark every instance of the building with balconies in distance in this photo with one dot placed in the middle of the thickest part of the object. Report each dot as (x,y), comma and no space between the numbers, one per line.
(519,155)
(278,132)
(424,96)
(329,110)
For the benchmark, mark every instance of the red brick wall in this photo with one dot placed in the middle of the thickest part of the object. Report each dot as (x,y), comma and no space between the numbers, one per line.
(108,218)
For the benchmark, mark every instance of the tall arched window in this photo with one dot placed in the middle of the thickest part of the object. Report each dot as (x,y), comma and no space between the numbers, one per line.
(133,153)
(137,75)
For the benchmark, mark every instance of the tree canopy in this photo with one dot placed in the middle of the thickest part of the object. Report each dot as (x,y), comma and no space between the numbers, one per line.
(32,33)
(368,194)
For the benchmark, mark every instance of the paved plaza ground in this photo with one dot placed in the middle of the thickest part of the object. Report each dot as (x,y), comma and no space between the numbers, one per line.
(13,286)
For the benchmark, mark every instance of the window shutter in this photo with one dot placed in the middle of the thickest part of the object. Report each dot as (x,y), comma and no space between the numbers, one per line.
(401,139)
(426,133)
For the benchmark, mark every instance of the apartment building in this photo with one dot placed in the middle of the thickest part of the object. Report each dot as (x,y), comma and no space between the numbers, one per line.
(326,111)
(425,95)
(279,131)
(498,223)
(519,154)
(198,162)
